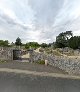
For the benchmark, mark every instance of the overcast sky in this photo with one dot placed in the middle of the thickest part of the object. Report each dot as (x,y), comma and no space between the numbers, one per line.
(38,20)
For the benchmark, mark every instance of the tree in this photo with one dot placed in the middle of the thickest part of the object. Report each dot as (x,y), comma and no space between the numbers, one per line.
(33,45)
(27,46)
(74,42)
(4,43)
(18,42)
(43,45)
(62,39)
(68,34)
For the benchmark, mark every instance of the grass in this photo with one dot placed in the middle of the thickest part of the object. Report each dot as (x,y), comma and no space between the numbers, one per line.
(3,61)
(42,62)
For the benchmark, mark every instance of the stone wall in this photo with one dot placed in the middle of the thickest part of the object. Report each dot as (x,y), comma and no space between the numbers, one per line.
(6,53)
(72,66)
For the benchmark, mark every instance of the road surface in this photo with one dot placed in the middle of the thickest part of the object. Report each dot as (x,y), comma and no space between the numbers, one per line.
(13,82)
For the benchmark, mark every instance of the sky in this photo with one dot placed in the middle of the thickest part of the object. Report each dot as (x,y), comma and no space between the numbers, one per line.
(38,20)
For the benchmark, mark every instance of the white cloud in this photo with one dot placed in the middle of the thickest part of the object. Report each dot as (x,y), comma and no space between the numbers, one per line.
(38,20)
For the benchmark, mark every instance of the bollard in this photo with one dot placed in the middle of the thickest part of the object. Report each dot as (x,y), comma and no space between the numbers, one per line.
(46,62)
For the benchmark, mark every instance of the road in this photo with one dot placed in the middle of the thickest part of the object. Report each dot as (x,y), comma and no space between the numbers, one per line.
(13,82)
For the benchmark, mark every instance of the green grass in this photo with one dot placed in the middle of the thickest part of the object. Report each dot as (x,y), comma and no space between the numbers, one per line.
(3,61)
(42,62)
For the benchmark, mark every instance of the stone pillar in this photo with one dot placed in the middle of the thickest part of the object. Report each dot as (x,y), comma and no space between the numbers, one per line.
(46,62)
(31,56)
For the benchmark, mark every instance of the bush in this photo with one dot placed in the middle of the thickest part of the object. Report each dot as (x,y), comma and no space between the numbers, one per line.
(3,61)
(42,62)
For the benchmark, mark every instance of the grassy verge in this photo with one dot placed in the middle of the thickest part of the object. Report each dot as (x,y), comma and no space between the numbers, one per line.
(42,62)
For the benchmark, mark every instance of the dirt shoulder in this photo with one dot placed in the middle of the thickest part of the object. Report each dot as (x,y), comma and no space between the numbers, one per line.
(31,67)
(42,74)
(34,69)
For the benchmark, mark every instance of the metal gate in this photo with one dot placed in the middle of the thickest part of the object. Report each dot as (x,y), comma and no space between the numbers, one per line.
(16,54)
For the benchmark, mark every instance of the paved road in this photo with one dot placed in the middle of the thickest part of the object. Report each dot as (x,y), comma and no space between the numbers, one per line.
(11,82)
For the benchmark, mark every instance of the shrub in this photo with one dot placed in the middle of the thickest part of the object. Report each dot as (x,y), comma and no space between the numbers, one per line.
(42,62)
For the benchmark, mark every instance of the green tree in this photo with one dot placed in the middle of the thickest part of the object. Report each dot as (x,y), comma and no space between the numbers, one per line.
(62,39)
(43,45)
(27,46)
(18,42)
(4,43)
(74,42)
(33,45)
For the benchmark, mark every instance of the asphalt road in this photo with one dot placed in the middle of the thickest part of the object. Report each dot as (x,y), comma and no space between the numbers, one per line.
(12,82)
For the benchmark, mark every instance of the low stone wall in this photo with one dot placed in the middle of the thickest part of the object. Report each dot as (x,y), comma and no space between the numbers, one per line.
(72,66)
(6,53)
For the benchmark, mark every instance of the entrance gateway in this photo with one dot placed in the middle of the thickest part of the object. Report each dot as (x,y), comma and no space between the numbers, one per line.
(16,54)
(9,53)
